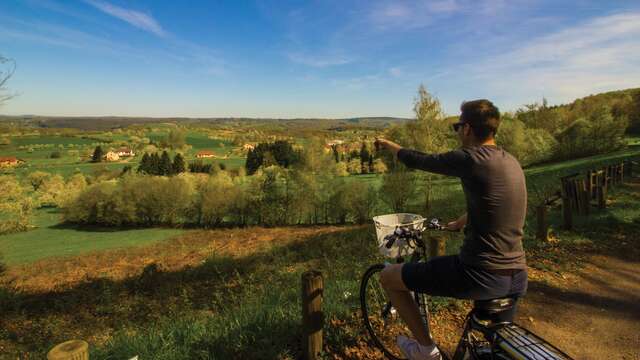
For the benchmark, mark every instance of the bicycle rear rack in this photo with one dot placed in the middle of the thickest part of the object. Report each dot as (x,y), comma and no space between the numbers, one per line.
(521,343)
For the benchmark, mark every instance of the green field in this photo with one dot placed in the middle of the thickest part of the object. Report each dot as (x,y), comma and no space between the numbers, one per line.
(49,139)
(49,238)
(39,158)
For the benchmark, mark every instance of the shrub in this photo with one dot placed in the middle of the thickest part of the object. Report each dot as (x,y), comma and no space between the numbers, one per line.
(398,187)
(217,197)
(52,192)
(15,206)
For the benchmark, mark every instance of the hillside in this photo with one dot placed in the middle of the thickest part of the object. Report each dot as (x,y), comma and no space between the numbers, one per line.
(106,123)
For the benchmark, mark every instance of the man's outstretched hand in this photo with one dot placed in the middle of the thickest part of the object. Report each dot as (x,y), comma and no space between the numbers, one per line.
(387,145)
(454,226)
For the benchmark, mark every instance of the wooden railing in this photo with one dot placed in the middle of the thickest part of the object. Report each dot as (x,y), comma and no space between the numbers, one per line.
(579,194)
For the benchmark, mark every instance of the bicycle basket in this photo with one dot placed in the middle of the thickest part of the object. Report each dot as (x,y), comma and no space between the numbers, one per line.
(387,224)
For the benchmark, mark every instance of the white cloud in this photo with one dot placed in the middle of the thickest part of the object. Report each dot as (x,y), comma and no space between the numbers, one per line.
(598,55)
(133,17)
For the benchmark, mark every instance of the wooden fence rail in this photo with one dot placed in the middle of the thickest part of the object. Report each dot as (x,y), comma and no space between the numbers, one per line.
(578,194)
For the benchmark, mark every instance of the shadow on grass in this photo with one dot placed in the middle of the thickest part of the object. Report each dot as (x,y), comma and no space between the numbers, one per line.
(224,292)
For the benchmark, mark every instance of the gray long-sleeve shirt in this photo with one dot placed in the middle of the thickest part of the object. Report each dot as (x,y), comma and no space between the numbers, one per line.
(494,186)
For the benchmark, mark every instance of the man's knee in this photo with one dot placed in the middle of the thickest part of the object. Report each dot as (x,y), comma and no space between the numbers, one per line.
(391,278)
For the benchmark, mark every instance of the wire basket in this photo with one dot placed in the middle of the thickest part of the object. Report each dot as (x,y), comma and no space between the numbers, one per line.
(387,224)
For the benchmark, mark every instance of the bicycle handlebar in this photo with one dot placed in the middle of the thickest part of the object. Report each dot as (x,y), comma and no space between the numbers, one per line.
(406,233)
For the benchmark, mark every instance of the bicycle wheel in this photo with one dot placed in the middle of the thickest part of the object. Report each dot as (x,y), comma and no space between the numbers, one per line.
(380,318)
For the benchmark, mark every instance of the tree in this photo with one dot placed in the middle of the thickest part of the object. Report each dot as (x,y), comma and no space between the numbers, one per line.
(218,196)
(199,167)
(154,164)
(398,187)
(253,162)
(15,206)
(5,75)
(634,113)
(145,164)
(429,133)
(36,179)
(52,192)
(365,158)
(379,166)
(97,154)
(164,167)
(176,139)
(336,154)
(279,153)
(354,166)
(178,165)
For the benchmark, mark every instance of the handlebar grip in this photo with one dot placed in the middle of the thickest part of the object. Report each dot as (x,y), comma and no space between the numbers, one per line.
(389,243)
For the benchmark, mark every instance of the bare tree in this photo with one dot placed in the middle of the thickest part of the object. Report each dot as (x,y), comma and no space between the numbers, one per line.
(5,75)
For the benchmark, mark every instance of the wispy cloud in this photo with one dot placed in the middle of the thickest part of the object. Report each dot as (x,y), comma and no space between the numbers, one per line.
(61,36)
(136,18)
(598,55)
(409,15)
(319,61)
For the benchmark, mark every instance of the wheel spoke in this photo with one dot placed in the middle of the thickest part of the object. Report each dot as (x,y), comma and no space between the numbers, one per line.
(382,319)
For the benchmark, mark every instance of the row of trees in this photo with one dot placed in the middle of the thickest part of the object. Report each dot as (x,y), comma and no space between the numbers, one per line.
(275,196)
(540,133)
(279,153)
(162,165)
(200,166)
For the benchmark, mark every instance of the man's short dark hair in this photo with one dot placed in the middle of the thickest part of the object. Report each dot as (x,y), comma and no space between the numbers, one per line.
(482,116)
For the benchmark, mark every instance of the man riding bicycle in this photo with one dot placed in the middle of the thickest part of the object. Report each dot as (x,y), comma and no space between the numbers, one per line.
(491,263)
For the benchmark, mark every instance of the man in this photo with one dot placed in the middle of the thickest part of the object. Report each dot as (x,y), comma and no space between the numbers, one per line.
(491,263)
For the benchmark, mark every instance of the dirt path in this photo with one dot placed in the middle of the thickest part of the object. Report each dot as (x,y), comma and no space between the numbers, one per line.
(592,314)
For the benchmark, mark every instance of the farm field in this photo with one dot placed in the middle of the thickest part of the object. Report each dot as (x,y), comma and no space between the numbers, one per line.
(75,152)
(52,239)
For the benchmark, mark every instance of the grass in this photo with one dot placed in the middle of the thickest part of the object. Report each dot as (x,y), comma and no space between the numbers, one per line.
(50,239)
(234,293)
(56,140)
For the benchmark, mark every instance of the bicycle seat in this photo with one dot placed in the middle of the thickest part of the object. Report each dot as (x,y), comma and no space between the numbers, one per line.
(493,308)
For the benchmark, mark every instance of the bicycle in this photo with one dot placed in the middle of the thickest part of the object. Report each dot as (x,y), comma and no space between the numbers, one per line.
(489,330)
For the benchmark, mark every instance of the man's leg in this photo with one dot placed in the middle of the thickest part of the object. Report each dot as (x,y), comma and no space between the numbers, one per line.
(401,299)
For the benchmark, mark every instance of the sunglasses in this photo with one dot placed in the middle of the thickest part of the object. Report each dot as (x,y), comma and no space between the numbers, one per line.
(458,125)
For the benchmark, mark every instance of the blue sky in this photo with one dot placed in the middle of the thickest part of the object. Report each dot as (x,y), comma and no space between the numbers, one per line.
(326,59)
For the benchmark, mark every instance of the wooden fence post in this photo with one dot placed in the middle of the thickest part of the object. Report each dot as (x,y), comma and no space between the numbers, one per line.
(591,184)
(312,315)
(621,172)
(602,196)
(437,246)
(586,198)
(566,205)
(543,227)
(70,350)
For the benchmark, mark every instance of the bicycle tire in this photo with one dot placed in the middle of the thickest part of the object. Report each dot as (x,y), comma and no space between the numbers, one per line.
(383,329)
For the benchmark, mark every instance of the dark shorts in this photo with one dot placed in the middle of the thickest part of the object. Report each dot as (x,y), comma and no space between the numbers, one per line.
(447,276)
